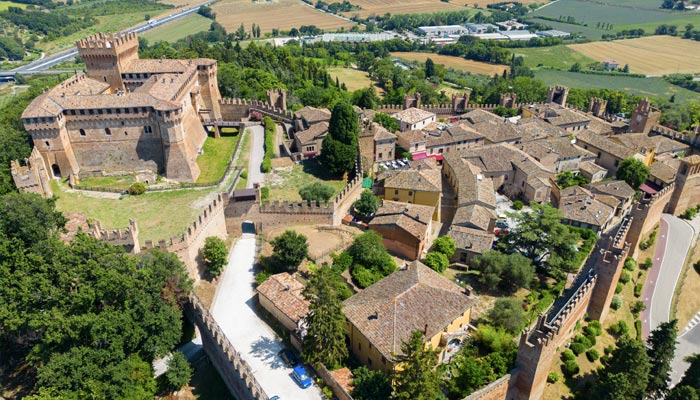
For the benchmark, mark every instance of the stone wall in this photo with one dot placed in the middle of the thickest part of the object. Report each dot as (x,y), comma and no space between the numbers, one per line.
(335,386)
(127,238)
(232,368)
(234,109)
(33,176)
(496,390)
(646,214)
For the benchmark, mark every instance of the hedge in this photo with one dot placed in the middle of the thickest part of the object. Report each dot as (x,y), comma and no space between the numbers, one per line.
(270,131)
(570,368)
(592,355)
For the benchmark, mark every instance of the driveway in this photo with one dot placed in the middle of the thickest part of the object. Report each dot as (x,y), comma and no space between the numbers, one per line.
(688,343)
(257,152)
(250,335)
(674,239)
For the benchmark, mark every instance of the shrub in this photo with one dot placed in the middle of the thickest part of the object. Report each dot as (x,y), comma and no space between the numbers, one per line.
(648,263)
(616,302)
(518,205)
(592,355)
(264,193)
(584,340)
(316,191)
(341,262)
(609,348)
(364,277)
(437,261)
(630,264)
(262,276)
(625,277)
(638,289)
(570,368)
(214,253)
(619,328)
(637,307)
(568,355)
(266,165)
(553,377)
(244,174)
(137,188)
(578,348)
(618,288)
(638,327)
(591,339)
(595,327)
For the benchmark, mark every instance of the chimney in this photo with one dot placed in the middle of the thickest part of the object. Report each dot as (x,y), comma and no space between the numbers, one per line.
(287,287)
(425,330)
(468,290)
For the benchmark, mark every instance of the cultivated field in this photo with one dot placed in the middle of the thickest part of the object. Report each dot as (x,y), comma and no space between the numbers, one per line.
(381,7)
(274,14)
(475,67)
(557,57)
(4,5)
(175,31)
(648,87)
(616,12)
(652,55)
(354,79)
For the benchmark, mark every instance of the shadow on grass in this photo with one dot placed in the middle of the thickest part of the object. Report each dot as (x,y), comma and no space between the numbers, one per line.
(313,167)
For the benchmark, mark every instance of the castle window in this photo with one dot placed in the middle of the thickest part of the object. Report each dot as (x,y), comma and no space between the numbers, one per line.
(90,111)
(82,132)
(99,111)
(82,112)
(108,132)
(147,129)
(105,78)
(47,143)
(109,111)
(128,110)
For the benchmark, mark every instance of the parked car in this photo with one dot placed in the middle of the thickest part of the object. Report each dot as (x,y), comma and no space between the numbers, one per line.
(289,358)
(275,398)
(502,225)
(301,377)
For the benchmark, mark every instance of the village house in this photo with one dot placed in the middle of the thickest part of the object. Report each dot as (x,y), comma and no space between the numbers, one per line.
(641,143)
(581,208)
(384,143)
(308,116)
(404,227)
(308,142)
(413,118)
(415,297)
(610,153)
(557,153)
(443,139)
(592,171)
(281,295)
(414,142)
(620,190)
(418,186)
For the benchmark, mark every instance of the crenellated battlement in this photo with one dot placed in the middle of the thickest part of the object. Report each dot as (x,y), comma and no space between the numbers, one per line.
(108,41)
(237,109)
(127,237)
(310,207)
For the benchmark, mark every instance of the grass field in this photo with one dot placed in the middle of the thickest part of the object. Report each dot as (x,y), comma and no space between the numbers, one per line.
(121,182)
(687,302)
(275,14)
(590,32)
(242,160)
(458,63)
(616,12)
(650,87)
(4,5)
(557,57)
(652,55)
(284,183)
(381,7)
(216,157)
(183,3)
(354,79)
(160,215)
(173,32)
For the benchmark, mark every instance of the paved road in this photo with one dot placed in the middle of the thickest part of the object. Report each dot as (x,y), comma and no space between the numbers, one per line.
(688,343)
(674,239)
(257,152)
(250,335)
(192,350)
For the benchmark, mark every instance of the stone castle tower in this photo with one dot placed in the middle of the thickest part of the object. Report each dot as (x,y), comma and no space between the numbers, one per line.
(558,94)
(277,98)
(644,117)
(411,101)
(106,55)
(687,191)
(459,103)
(507,100)
(32,177)
(597,106)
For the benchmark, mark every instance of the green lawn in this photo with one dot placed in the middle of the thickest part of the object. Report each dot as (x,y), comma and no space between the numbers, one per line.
(284,183)
(216,157)
(160,215)
(557,57)
(111,182)
(173,32)
(4,5)
(651,87)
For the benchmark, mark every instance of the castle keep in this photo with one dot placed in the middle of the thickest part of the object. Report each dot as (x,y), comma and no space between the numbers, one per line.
(126,114)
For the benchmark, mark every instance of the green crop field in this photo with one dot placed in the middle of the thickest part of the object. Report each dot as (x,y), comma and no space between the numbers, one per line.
(557,57)
(589,32)
(650,87)
(177,30)
(4,5)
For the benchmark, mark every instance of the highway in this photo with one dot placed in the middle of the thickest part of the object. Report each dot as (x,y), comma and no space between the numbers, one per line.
(45,63)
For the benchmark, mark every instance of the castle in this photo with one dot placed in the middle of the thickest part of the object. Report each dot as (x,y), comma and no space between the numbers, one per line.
(126,114)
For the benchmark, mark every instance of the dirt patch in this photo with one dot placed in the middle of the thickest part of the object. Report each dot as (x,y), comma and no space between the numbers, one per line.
(322,239)
(282,162)
(206,290)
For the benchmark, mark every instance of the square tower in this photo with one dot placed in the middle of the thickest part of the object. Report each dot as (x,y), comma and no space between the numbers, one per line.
(106,55)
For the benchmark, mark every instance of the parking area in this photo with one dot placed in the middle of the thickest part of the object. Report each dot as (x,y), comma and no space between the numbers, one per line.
(504,206)
(393,164)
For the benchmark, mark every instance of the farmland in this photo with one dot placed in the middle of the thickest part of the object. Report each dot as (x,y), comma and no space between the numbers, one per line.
(457,63)
(590,32)
(4,5)
(653,55)
(381,7)
(277,14)
(353,79)
(173,32)
(651,87)
(183,3)
(557,57)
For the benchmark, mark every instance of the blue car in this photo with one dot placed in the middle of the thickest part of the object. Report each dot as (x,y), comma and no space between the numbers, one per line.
(301,377)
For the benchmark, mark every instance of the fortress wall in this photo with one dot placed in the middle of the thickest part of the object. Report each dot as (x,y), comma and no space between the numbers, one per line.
(496,390)
(121,152)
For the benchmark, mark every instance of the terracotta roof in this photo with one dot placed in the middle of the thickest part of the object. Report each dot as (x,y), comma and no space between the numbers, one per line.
(560,146)
(639,141)
(381,133)
(663,172)
(344,377)
(158,66)
(474,240)
(414,136)
(590,167)
(565,116)
(474,215)
(409,299)
(412,115)
(423,180)
(284,292)
(604,144)
(312,134)
(617,188)
(692,160)
(464,131)
(534,128)
(498,131)
(478,115)
(412,218)
(579,204)
(429,162)
(313,115)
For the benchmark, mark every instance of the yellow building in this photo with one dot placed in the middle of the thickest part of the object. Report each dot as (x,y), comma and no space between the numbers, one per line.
(418,186)
(415,297)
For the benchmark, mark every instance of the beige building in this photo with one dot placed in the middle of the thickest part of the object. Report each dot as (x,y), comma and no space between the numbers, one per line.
(413,141)
(127,114)
(609,153)
(404,227)
(418,186)
(557,154)
(581,208)
(413,118)
(308,142)
(281,295)
(415,297)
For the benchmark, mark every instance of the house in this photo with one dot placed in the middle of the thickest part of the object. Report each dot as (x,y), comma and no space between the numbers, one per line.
(511,24)
(581,208)
(413,141)
(450,138)
(592,171)
(281,295)
(557,153)
(384,143)
(404,227)
(470,242)
(309,141)
(308,116)
(609,153)
(418,186)
(642,143)
(610,65)
(618,189)
(413,118)
(414,297)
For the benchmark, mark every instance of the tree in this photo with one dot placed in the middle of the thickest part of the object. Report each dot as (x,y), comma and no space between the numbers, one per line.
(683,393)
(324,341)
(29,217)
(508,272)
(633,171)
(692,374)
(568,178)
(371,260)
(214,253)
(365,98)
(508,313)
(540,236)
(179,371)
(445,245)
(367,203)
(137,188)
(240,32)
(339,148)
(416,379)
(626,375)
(429,68)
(289,250)
(316,191)
(437,261)
(387,121)
(662,346)
(370,384)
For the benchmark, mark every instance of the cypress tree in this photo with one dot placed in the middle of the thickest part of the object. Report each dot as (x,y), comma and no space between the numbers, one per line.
(662,342)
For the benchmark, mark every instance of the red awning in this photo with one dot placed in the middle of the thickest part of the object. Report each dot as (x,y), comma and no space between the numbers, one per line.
(646,188)
(438,157)
(419,156)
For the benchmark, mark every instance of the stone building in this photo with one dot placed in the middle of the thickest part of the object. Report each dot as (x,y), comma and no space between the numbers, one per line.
(418,186)
(404,227)
(127,114)
(32,176)
(413,118)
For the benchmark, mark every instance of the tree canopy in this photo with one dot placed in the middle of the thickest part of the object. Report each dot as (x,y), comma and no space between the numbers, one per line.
(370,259)
(633,171)
(367,204)
(214,253)
(289,250)
(507,272)
(316,191)
(368,384)
(179,371)
(339,148)
(416,379)
(508,313)
(445,245)
(662,346)
(626,375)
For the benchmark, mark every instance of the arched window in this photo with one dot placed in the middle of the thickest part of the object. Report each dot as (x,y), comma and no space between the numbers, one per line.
(82,132)
(108,132)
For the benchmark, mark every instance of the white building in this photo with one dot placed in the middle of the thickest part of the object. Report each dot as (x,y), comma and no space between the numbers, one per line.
(413,118)
(443,30)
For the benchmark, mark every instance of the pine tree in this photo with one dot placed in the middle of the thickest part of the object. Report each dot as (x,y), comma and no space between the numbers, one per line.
(429,68)
(416,378)
(339,148)
(324,341)
(662,343)
(626,375)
